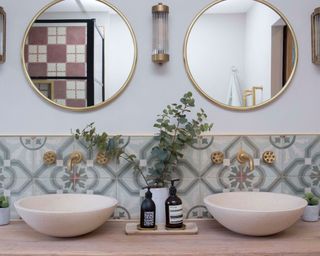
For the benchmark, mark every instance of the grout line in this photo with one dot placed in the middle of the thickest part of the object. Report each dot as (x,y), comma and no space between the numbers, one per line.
(155,134)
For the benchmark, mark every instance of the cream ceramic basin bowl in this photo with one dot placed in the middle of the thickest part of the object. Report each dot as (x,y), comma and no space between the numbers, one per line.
(255,213)
(65,215)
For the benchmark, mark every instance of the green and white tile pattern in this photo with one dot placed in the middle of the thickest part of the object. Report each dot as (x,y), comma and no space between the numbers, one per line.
(297,169)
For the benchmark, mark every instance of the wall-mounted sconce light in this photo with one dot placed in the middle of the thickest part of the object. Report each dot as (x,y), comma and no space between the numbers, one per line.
(160,15)
(315,21)
(2,35)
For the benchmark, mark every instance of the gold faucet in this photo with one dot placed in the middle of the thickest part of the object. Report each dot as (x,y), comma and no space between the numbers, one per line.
(75,158)
(243,157)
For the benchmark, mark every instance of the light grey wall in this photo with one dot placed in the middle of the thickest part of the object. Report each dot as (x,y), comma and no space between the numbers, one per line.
(212,57)
(22,111)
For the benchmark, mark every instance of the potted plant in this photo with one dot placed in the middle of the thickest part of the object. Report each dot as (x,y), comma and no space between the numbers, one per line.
(4,210)
(177,129)
(311,212)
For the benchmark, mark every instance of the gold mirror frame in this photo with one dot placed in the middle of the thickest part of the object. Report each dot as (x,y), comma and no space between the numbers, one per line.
(109,100)
(218,103)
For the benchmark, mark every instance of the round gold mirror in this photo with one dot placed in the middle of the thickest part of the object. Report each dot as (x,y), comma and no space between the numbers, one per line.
(240,54)
(79,54)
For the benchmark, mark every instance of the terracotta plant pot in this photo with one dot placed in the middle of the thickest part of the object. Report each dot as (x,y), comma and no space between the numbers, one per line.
(4,216)
(311,213)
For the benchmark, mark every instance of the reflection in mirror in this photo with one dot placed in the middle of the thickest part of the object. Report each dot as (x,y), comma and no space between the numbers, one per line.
(240,53)
(80,53)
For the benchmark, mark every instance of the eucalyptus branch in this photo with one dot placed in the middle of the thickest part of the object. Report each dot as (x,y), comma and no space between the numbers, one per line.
(176,131)
(110,146)
(136,166)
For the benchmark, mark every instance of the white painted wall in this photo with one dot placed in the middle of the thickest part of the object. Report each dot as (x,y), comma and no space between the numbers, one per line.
(120,54)
(216,44)
(258,47)
(153,86)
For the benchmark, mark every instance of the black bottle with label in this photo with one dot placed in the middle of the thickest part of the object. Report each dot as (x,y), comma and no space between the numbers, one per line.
(148,212)
(174,210)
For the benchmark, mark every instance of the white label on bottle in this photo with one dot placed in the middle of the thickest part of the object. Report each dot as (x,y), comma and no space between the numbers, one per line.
(148,219)
(175,214)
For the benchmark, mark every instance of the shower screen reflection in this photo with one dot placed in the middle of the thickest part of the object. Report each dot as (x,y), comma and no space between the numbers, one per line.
(240,53)
(83,49)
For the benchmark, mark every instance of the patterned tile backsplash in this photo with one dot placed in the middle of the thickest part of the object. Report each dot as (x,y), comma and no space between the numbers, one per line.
(296,169)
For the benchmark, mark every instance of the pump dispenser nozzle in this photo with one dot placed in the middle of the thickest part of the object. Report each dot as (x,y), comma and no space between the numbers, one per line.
(173,190)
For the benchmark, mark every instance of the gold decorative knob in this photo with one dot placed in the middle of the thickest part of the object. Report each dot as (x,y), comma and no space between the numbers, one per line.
(269,157)
(50,158)
(102,158)
(217,157)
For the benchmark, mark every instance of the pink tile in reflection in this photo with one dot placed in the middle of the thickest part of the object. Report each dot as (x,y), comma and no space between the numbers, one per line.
(76,69)
(76,103)
(37,69)
(38,35)
(57,53)
(60,89)
(26,55)
(76,35)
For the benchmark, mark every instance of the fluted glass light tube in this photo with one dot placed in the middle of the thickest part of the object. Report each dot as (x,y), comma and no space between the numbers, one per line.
(160,53)
(315,20)
(2,35)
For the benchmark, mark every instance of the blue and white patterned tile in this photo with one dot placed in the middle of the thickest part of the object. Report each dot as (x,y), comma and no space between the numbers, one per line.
(210,186)
(299,147)
(141,147)
(263,144)
(189,192)
(14,153)
(4,151)
(210,145)
(41,145)
(292,185)
(253,145)
(191,154)
(63,146)
(111,170)
(186,170)
(269,184)
(107,187)
(137,145)
(50,186)
(129,197)
(130,185)
(16,178)
(198,212)
(240,178)
(14,197)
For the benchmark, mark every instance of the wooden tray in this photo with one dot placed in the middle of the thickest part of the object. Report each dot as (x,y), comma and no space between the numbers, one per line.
(191,228)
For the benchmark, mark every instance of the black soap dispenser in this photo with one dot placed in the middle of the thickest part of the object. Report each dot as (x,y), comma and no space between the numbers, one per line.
(174,210)
(148,212)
